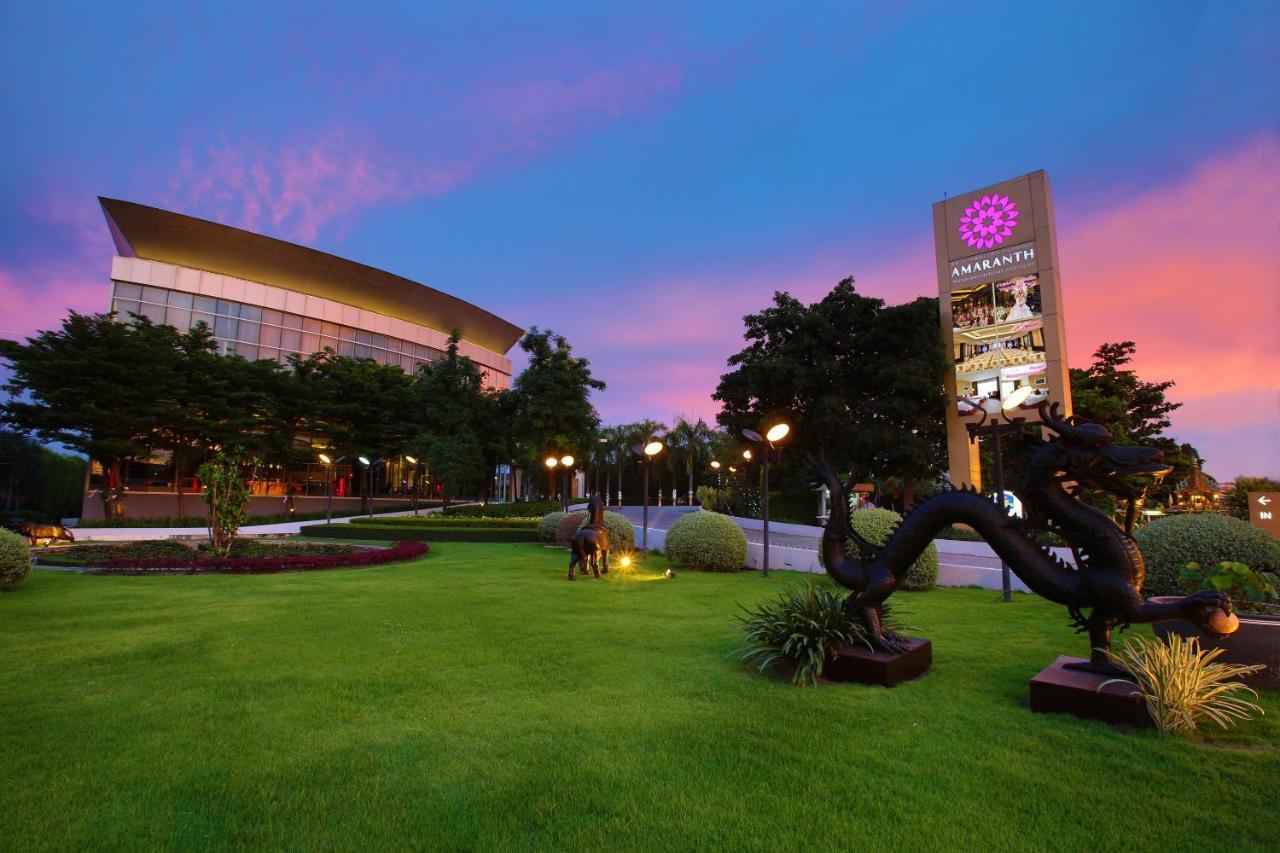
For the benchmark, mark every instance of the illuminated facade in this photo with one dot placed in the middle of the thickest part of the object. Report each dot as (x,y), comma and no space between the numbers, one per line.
(264,298)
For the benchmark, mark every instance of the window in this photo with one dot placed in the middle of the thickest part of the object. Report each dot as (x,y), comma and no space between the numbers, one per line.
(272,317)
(125,307)
(250,312)
(310,343)
(310,324)
(207,304)
(179,318)
(269,336)
(291,321)
(248,331)
(155,295)
(154,313)
(228,309)
(291,340)
(128,291)
(225,327)
(202,317)
(180,300)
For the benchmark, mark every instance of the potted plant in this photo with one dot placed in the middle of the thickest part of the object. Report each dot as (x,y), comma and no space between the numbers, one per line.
(1253,594)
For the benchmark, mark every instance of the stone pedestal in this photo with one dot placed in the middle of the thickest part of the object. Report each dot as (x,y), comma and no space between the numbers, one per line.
(1057,690)
(860,665)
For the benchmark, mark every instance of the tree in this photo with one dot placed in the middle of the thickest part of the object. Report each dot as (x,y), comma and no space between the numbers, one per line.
(1135,412)
(553,410)
(1237,500)
(226,498)
(90,386)
(853,378)
(456,414)
(365,408)
(692,443)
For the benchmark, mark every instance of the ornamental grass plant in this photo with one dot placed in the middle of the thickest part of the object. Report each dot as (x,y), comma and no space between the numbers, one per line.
(1182,685)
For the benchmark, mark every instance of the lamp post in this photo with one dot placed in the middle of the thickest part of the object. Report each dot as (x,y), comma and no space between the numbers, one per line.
(567,462)
(327,461)
(715,466)
(995,422)
(551,463)
(646,451)
(368,484)
(774,436)
(413,500)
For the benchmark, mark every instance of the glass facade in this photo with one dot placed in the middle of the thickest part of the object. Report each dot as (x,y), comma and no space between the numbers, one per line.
(263,333)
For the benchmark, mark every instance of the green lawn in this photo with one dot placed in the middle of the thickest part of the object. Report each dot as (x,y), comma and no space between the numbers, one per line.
(476,699)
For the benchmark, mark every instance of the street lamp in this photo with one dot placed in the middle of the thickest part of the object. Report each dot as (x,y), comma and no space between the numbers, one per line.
(773,436)
(567,462)
(414,500)
(647,451)
(368,483)
(552,462)
(327,461)
(994,423)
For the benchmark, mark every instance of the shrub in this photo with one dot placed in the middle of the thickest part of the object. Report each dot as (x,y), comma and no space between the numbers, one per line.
(707,540)
(801,627)
(875,525)
(520,509)
(97,555)
(622,536)
(547,526)
(250,548)
(1182,686)
(567,526)
(269,565)
(1249,590)
(1204,538)
(438,520)
(419,533)
(15,559)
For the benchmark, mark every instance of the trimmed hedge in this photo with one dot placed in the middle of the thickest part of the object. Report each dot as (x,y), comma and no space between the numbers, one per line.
(1205,538)
(707,540)
(520,509)
(622,536)
(875,525)
(100,554)
(15,559)
(567,526)
(438,520)
(270,565)
(420,533)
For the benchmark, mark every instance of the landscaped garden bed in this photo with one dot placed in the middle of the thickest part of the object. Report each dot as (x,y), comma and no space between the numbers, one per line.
(247,557)
(422,532)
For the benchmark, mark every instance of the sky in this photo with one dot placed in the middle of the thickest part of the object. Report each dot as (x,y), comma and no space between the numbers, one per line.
(638,177)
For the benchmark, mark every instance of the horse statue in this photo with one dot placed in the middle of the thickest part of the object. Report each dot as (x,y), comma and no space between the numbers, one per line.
(590,545)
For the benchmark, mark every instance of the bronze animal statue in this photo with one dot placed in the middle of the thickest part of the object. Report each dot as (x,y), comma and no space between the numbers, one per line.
(590,545)
(1109,573)
(48,532)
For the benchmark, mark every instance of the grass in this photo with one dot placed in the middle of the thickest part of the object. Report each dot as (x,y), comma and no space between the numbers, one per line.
(476,699)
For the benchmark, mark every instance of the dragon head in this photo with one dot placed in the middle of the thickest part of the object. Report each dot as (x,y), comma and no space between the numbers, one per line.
(1085,452)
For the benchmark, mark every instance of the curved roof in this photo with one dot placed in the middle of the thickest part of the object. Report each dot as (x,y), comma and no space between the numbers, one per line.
(161,235)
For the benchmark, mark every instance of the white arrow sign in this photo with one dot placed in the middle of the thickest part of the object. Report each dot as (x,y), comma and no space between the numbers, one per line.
(1264,500)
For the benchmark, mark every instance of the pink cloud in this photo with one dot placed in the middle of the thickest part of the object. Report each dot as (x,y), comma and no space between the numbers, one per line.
(299,187)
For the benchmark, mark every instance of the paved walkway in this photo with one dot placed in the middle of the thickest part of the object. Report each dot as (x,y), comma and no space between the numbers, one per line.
(662,517)
(124,534)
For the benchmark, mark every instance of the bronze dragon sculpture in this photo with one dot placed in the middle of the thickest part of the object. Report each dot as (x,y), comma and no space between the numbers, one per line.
(1109,573)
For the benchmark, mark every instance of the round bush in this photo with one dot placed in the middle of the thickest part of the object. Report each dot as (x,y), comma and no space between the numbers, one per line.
(622,536)
(567,526)
(15,559)
(707,540)
(875,525)
(1205,538)
(547,526)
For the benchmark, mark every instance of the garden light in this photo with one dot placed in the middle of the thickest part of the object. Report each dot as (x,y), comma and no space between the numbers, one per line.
(746,454)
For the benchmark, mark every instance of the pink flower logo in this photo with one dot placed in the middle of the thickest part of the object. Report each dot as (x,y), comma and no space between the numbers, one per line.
(988,220)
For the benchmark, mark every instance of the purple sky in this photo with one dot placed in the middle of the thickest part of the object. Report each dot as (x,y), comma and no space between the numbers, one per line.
(672,168)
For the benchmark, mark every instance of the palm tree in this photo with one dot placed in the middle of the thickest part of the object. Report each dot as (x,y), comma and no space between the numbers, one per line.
(694,442)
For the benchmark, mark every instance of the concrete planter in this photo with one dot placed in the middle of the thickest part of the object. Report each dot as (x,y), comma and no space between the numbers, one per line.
(1257,641)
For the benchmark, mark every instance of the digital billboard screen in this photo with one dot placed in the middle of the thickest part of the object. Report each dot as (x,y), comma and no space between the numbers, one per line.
(998,339)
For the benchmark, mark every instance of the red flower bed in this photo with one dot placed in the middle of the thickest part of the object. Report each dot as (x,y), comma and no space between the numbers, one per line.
(407,550)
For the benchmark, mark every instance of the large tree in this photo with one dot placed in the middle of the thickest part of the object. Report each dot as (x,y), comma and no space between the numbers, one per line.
(553,410)
(456,417)
(91,386)
(853,377)
(1110,393)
